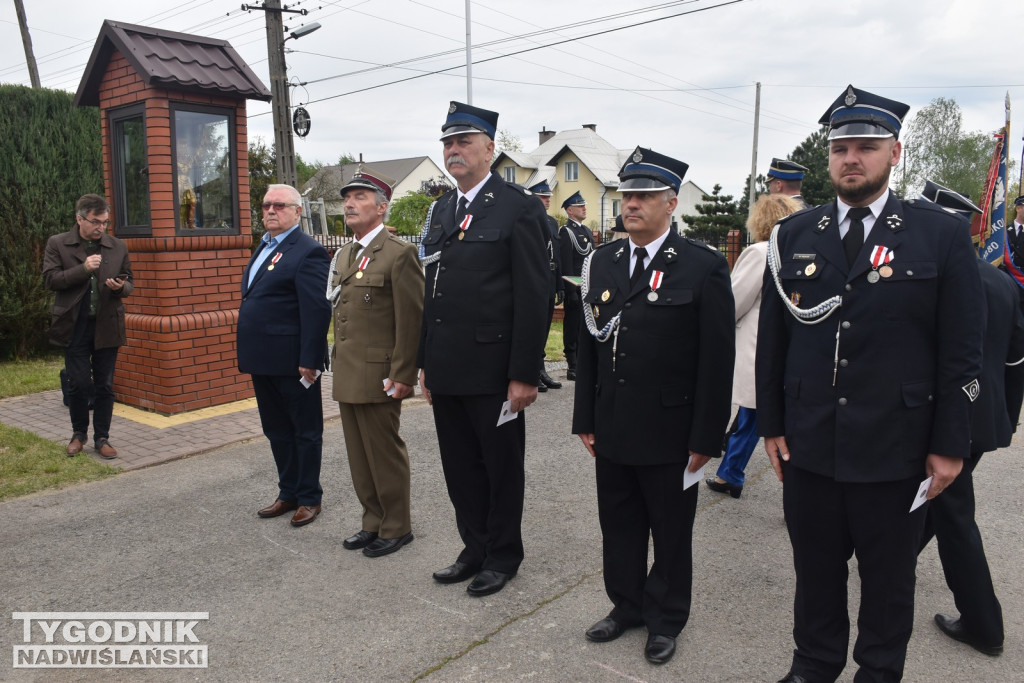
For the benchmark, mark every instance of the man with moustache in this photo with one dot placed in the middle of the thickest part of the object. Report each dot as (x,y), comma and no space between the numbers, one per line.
(652,399)
(575,242)
(868,360)
(557,294)
(91,273)
(282,343)
(481,343)
(376,289)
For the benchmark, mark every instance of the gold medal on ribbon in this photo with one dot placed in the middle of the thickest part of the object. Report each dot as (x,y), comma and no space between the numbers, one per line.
(462,235)
(885,271)
(359,275)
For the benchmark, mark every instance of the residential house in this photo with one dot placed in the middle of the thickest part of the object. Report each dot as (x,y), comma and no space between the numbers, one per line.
(580,160)
(409,175)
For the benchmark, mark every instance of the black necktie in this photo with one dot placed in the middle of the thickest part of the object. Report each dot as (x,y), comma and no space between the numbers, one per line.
(460,215)
(638,267)
(854,239)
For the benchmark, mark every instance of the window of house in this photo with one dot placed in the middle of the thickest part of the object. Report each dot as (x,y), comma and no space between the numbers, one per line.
(205,189)
(616,207)
(131,171)
(572,171)
(509,174)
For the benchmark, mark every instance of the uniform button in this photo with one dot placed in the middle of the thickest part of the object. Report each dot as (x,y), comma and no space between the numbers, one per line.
(842,401)
(501,336)
(668,300)
(910,273)
(341,339)
(929,397)
(843,363)
(622,381)
(623,329)
(448,243)
(344,320)
(849,287)
(846,324)
(622,355)
(443,269)
(628,305)
(438,321)
(344,301)
(439,295)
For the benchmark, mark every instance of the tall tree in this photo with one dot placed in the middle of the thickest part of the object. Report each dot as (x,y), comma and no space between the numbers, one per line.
(817,188)
(508,142)
(935,147)
(49,157)
(715,218)
(262,174)
(409,212)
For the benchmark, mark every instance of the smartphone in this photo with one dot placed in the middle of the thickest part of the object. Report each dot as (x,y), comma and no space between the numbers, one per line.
(122,276)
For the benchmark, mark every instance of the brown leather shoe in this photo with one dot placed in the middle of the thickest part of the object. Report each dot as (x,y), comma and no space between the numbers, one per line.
(277,508)
(76,444)
(105,450)
(305,514)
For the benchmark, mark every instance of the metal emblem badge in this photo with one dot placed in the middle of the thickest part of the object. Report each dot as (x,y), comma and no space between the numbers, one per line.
(462,235)
(359,275)
(605,296)
(637,157)
(873,276)
(851,97)
(972,389)
(451,108)
(810,269)
(652,296)
(270,267)
(894,222)
(366,298)
(885,271)
(823,222)
(795,298)
(597,312)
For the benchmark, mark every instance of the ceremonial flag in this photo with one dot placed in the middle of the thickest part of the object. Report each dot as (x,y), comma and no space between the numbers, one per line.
(997,249)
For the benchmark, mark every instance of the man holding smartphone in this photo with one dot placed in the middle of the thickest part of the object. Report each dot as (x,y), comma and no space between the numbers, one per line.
(91,273)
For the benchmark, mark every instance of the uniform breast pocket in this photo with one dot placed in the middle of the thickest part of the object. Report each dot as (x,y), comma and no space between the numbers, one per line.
(671,311)
(484,249)
(603,303)
(911,290)
(804,282)
(432,241)
(368,288)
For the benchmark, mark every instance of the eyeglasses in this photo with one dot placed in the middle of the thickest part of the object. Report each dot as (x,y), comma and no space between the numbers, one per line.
(278,206)
(105,224)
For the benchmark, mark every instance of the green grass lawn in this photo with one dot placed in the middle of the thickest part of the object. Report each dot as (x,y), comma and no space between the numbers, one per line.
(20,377)
(553,349)
(29,463)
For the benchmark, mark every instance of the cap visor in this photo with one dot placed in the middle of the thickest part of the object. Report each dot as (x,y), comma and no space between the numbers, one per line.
(459,130)
(643,185)
(859,129)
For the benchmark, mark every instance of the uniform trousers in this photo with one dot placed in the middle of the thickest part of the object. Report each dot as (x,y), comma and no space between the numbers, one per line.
(829,521)
(293,420)
(90,377)
(950,520)
(571,325)
(379,463)
(484,471)
(635,503)
(740,447)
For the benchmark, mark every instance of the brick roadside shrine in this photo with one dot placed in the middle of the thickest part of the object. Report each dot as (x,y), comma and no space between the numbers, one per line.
(176,173)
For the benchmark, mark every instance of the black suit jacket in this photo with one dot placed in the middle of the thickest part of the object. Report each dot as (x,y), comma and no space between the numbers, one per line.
(667,390)
(285,314)
(995,417)
(900,385)
(572,238)
(486,298)
(554,254)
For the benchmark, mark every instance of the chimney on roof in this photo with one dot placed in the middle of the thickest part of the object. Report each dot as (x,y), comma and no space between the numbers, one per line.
(545,135)
(360,157)
(591,126)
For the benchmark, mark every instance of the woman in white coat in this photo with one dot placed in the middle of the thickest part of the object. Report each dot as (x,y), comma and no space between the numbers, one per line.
(747,278)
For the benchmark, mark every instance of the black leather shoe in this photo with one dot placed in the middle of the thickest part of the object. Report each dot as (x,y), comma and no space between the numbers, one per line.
(548,381)
(487,582)
(954,628)
(724,487)
(659,649)
(605,630)
(541,388)
(456,573)
(794,678)
(359,540)
(570,374)
(386,546)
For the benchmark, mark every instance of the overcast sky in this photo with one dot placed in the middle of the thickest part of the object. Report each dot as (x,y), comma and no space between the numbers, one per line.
(682,85)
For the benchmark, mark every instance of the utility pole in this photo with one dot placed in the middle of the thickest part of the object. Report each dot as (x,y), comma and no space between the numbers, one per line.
(284,144)
(753,160)
(26,39)
(469,57)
